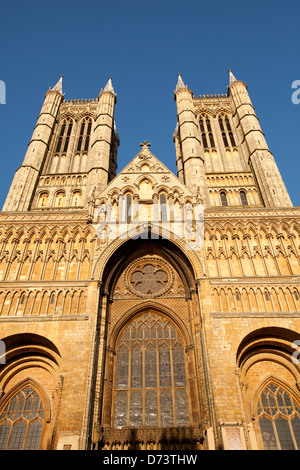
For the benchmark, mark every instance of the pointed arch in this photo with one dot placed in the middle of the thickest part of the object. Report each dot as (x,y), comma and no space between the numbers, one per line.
(23,414)
(276,408)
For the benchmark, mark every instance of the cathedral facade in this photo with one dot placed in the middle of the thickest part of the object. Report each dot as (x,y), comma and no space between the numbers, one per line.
(144,310)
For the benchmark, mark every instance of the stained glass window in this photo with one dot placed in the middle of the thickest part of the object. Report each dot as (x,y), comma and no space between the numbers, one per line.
(279,419)
(21,421)
(150,383)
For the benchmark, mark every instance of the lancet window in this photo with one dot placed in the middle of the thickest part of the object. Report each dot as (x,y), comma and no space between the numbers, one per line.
(163,208)
(64,135)
(226,131)
(84,135)
(223,196)
(128,208)
(206,132)
(243,197)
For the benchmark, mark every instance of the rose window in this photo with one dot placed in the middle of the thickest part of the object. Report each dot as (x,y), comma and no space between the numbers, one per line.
(149,278)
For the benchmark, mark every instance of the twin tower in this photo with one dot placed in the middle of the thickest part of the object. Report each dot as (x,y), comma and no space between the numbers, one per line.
(149,336)
(221,152)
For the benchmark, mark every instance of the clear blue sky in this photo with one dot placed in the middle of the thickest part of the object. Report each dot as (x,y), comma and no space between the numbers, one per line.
(143,45)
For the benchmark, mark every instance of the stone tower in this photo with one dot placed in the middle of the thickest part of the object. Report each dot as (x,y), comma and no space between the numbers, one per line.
(145,310)
(75,140)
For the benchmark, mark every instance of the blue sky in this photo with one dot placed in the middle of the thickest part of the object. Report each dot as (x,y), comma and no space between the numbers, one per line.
(143,45)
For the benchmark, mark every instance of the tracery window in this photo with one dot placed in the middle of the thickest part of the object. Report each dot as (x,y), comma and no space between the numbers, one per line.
(64,135)
(150,382)
(206,132)
(84,136)
(279,418)
(21,421)
(226,131)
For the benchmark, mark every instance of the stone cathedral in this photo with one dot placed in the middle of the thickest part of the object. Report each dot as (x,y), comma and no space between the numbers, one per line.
(144,310)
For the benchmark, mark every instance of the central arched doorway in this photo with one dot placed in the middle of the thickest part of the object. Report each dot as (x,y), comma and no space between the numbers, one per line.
(150,393)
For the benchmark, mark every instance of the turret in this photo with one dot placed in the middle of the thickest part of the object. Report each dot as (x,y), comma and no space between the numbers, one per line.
(104,140)
(189,150)
(26,177)
(255,147)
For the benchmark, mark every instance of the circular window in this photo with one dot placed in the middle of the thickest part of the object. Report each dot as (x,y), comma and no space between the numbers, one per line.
(149,277)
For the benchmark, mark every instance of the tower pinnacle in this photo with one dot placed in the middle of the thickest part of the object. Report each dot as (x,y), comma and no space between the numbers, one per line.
(109,87)
(58,86)
(231,77)
(180,83)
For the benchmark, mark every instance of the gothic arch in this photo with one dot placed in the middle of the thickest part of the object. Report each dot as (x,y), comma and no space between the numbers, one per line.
(180,245)
(145,177)
(273,344)
(140,308)
(36,386)
(66,115)
(275,411)
(270,379)
(251,339)
(25,352)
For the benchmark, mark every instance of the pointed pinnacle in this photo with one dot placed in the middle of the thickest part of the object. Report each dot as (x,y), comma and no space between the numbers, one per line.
(58,86)
(232,78)
(180,83)
(109,87)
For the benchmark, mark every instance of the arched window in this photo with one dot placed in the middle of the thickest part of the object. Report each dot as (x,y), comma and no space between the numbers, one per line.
(163,208)
(227,134)
(128,208)
(208,125)
(225,139)
(76,198)
(64,135)
(211,140)
(59,199)
(206,130)
(21,421)
(150,382)
(223,198)
(232,141)
(43,199)
(84,136)
(243,198)
(227,124)
(278,415)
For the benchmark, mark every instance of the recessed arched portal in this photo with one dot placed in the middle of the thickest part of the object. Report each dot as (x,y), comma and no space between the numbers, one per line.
(149,376)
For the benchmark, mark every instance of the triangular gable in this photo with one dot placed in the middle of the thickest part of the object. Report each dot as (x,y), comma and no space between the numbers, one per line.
(145,166)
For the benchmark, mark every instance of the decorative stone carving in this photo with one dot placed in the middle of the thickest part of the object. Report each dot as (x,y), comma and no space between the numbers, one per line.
(149,277)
